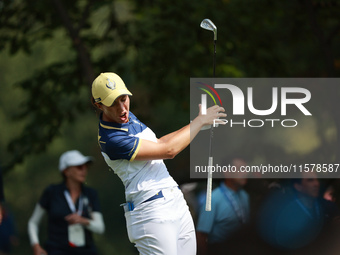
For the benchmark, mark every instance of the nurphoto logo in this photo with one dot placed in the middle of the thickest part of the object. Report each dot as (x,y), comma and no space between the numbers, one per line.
(280,98)
(274,122)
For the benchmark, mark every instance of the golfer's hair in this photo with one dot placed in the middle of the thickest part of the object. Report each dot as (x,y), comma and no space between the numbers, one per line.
(96,109)
(93,102)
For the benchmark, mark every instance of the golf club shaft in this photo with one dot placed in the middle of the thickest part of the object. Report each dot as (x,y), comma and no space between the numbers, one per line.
(209,180)
(214,60)
(209,185)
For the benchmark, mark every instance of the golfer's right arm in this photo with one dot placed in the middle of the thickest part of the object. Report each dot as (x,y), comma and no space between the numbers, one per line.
(33,230)
(170,145)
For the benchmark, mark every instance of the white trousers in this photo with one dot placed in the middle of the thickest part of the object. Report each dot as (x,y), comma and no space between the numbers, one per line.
(162,226)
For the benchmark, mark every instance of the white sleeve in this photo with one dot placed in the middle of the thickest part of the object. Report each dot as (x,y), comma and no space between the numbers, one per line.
(96,223)
(33,224)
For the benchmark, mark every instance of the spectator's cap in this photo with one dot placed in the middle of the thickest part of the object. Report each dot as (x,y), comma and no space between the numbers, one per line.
(73,158)
(107,87)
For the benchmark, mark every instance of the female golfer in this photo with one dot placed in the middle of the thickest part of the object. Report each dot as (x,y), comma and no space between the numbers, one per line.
(157,216)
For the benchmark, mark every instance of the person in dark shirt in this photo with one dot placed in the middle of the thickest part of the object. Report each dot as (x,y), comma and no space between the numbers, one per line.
(2,197)
(295,219)
(8,233)
(73,211)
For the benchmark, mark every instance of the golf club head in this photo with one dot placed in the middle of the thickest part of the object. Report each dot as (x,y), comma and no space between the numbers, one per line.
(209,25)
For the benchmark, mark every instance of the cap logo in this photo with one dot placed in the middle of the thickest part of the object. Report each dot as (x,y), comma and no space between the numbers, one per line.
(111,85)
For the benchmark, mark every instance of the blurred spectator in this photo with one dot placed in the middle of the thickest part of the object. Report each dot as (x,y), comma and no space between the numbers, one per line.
(2,197)
(8,236)
(229,211)
(295,219)
(73,211)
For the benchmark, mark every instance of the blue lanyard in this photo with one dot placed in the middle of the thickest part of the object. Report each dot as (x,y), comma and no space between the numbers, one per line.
(308,212)
(236,206)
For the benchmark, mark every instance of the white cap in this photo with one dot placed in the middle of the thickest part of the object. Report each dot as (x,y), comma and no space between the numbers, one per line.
(73,158)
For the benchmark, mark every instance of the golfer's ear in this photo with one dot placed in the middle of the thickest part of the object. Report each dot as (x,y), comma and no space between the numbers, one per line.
(98,105)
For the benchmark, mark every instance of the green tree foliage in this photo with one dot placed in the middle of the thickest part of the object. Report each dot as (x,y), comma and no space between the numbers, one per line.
(59,46)
(55,92)
(255,39)
(157,47)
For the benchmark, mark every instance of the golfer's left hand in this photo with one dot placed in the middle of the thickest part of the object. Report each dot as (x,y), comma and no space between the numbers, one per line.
(212,114)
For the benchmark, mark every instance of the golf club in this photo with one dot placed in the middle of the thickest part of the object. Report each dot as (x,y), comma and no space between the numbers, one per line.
(209,25)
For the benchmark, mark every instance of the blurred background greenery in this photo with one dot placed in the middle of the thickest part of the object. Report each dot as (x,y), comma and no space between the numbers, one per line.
(50,52)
